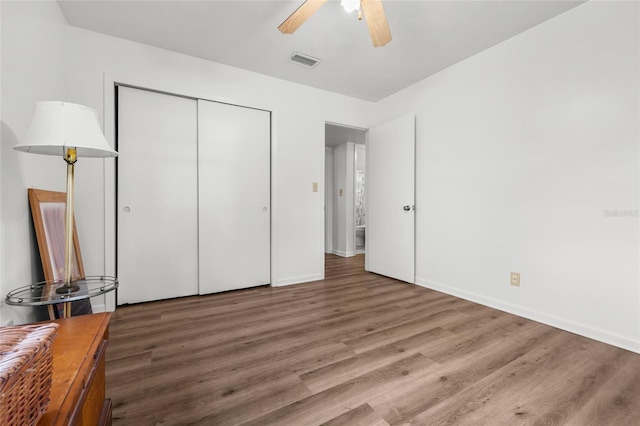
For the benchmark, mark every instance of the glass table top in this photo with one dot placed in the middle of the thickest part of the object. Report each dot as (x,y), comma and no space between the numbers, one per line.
(53,292)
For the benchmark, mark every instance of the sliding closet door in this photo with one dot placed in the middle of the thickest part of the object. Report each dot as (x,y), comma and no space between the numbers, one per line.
(234,196)
(157,196)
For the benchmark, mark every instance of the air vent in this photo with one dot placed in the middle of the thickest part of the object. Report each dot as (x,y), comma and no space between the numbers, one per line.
(304,60)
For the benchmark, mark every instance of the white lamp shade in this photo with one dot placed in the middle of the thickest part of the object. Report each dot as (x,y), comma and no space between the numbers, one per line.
(58,125)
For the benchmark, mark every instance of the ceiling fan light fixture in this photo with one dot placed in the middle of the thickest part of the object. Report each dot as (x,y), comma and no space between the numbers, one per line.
(350,5)
(371,9)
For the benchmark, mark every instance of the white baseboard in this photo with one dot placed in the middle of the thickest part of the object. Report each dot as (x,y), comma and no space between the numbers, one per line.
(297,280)
(344,254)
(98,308)
(544,318)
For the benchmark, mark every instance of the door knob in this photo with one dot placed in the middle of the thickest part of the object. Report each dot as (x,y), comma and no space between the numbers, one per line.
(127,209)
(406,208)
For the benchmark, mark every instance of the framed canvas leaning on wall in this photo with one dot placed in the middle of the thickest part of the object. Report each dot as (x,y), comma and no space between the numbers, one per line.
(48,213)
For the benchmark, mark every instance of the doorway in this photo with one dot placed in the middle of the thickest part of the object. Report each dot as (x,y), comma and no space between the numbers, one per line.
(345,194)
(389,196)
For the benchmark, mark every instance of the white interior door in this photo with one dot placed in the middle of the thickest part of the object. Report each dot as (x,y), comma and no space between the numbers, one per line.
(157,196)
(234,196)
(391,198)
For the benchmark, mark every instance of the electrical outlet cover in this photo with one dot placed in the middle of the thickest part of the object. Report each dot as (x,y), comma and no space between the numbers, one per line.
(515,279)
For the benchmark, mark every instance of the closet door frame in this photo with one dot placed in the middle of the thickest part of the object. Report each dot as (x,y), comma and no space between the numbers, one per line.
(110,81)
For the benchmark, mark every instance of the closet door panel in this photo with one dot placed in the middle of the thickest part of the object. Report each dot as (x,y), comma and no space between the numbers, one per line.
(157,196)
(234,196)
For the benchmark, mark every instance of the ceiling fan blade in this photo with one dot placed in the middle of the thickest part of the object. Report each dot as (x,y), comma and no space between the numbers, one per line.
(376,21)
(301,14)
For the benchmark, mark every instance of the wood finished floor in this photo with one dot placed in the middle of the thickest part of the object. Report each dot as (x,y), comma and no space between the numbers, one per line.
(358,349)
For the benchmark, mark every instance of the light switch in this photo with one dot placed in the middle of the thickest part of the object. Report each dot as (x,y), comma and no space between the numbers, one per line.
(341,192)
(315,186)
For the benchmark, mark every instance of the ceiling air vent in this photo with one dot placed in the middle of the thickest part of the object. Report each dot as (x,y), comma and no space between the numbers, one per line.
(304,60)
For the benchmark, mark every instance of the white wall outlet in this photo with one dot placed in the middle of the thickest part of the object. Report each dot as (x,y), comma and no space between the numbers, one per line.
(515,279)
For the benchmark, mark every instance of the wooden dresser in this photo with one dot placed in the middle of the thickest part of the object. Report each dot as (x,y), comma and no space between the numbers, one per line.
(78,386)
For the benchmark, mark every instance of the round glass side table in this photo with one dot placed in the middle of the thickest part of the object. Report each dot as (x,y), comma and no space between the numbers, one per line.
(53,292)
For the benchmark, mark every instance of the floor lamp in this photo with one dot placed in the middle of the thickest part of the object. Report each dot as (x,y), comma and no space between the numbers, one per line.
(69,131)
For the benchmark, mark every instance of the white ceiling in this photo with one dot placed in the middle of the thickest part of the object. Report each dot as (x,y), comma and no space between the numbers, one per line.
(428,36)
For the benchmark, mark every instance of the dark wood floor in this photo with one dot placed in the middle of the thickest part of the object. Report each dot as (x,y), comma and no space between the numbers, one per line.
(358,349)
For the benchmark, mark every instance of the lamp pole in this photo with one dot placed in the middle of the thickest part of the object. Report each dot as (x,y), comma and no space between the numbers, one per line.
(71,158)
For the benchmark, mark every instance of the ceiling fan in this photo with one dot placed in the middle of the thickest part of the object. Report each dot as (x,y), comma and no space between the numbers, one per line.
(373,12)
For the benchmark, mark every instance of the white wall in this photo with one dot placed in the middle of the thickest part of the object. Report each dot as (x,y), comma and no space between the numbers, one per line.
(33,69)
(522,152)
(328,197)
(343,205)
(360,157)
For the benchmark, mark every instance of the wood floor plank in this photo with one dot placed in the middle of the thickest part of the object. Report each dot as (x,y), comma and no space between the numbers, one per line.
(497,397)
(229,372)
(126,365)
(358,349)
(356,365)
(449,380)
(403,330)
(618,403)
(199,404)
(566,392)
(276,324)
(226,408)
(320,407)
(362,415)
(488,335)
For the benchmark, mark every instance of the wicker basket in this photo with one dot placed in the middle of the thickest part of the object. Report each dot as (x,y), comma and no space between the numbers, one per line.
(25,373)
